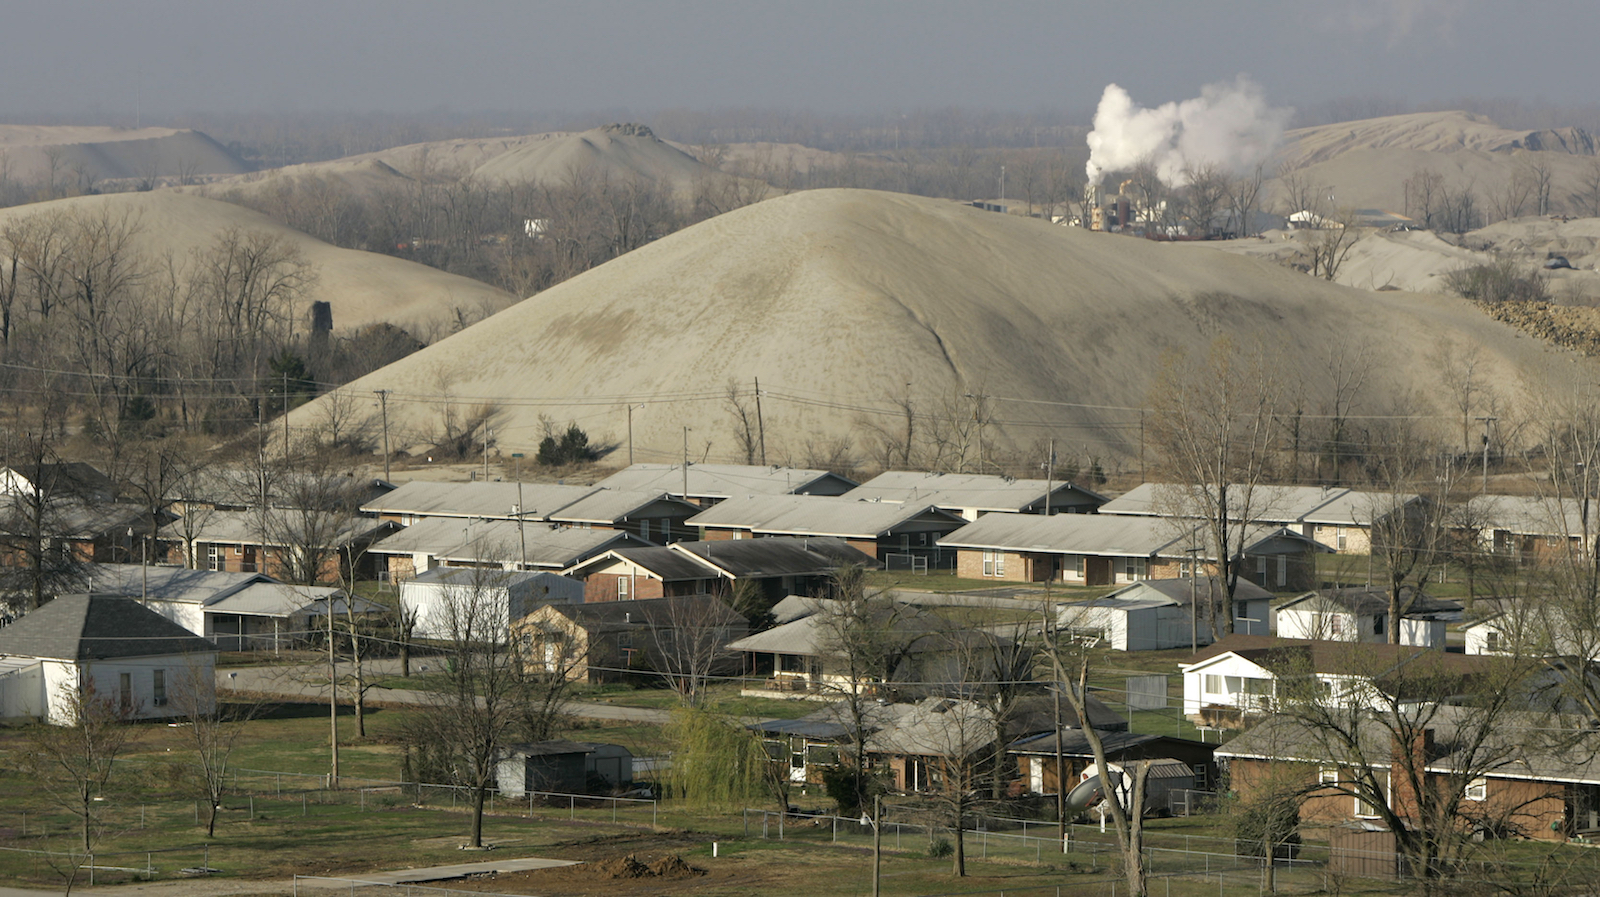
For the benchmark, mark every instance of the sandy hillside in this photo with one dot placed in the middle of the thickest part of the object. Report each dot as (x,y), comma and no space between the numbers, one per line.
(109,153)
(838,299)
(615,152)
(1365,163)
(363,287)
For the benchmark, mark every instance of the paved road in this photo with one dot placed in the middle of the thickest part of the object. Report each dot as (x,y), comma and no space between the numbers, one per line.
(310,682)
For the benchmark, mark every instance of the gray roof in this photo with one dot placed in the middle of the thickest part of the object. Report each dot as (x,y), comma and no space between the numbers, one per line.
(1177,591)
(776,556)
(1090,534)
(553,748)
(84,627)
(668,564)
(241,487)
(1269,503)
(1369,602)
(618,505)
(820,515)
(253,594)
(723,481)
(813,635)
(487,500)
(1532,515)
(935,727)
(984,492)
(660,613)
(497,579)
(454,539)
(244,527)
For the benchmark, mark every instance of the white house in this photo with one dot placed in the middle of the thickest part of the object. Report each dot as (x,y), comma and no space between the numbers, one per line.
(510,595)
(111,645)
(236,611)
(1240,674)
(1158,614)
(1362,615)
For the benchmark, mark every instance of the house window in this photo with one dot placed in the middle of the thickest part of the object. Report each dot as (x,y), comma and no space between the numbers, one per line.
(923,539)
(905,541)
(623,583)
(1213,684)
(1478,789)
(1261,569)
(1377,625)
(665,528)
(158,689)
(1491,640)
(1283,570)
(1335,624)
(738,534)
(644,529)
(1328,775)
(994,563)
(1135,569)
(213,557)
(1340,538)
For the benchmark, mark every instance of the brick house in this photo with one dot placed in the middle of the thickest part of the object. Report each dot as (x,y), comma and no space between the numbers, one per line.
(971,495)
(277,542)
(888,531)
(708,484)
(1337,517)
(654,517)
(778,567)
(507,544)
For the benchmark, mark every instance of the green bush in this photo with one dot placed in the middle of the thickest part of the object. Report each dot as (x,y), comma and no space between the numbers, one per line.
(571,448)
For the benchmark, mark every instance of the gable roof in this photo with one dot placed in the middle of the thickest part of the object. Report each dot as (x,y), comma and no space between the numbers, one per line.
(1529,515)
(62,479)
(666,564)
(244,527)
(694,610)
(1369,602)
(1178,591)
(425,498)
(1371,660)
(618,505)
(984,492)
(1090,534)
(504,541)
(820,515)
(724,481)
(85,627)
(811,635)
(775,556)
(1270,503)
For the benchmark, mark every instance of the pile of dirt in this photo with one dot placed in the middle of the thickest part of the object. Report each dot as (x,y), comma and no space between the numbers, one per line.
(674,866)
(630,867)
(1570,327)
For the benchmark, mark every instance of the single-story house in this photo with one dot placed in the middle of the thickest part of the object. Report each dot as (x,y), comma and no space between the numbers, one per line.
(87,531)
(603,642)
(778,566)
(512,594)
(972,495)
(507,544)
(563,767)
(1527,528)
(708,484)
(1035,757)
(1362,615)
(236,611)
(57,480)
(894,533)
(924,745)
(110,645)
(1238,675)
(275,542)
(1337,517)
(1096,549)
(801,659)
(1520,789)
(654,517)
(1158,614)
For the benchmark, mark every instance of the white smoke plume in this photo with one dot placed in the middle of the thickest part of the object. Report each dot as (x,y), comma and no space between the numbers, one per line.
(1228,124)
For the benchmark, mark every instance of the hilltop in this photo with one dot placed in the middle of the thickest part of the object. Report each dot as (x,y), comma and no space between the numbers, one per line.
(841,301)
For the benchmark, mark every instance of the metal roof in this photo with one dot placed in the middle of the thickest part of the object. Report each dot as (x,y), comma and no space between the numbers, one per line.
(244,527)
(821,515)
(1090,534)
(1531,515)
(424,498)
(1364,601)
(618,505)
(667,564)
(984,492)
(725,480)
(1327,505)
(1177,591)
(84,627)
(175,584)
(455,539)
(776,556)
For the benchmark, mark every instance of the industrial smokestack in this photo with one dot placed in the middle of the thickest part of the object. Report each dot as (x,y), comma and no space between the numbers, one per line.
(1228,124)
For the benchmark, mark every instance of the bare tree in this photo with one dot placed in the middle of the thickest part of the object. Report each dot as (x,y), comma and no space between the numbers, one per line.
(1591,187)
(1332,244)
(745,424)
(690,636)
(1244,199)
(72,764)
(1461,368)
(33,521)
(469,719)
(213,730)
(1424,193)
(1212,430)
(1300,192)
(1206,193)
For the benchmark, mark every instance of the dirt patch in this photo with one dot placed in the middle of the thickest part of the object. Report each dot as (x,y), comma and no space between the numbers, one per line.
(626,867)
(1570,327)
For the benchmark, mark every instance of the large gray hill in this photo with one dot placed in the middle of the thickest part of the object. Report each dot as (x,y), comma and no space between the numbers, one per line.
(841,301)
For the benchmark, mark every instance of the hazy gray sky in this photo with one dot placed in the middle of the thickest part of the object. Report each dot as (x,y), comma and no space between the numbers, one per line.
(76,58)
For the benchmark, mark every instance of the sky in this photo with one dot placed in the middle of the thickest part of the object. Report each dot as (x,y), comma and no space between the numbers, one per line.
(166,57)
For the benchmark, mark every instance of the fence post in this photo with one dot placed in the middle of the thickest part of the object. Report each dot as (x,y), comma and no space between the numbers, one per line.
(654,806)
(572,807)
(302,803)
(147,864)
(530,804)
(91,870)
(252,806)
(613,810)
(835,829)
(363,793)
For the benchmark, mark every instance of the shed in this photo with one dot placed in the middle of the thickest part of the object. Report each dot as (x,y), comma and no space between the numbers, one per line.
(555,766)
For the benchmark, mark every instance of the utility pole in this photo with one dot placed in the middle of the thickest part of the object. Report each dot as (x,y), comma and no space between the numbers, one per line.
(1194,601)
(761,424)
(286,414)
(522,541)
(383,403)
(877,842)
(630,434)
(1486,423)
(487,435)
(1049,476)
(333,701)
(685,463)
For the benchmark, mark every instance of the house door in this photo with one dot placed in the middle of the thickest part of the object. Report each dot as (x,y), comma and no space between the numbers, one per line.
(248,565)
(1097,571)
(1583,808)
